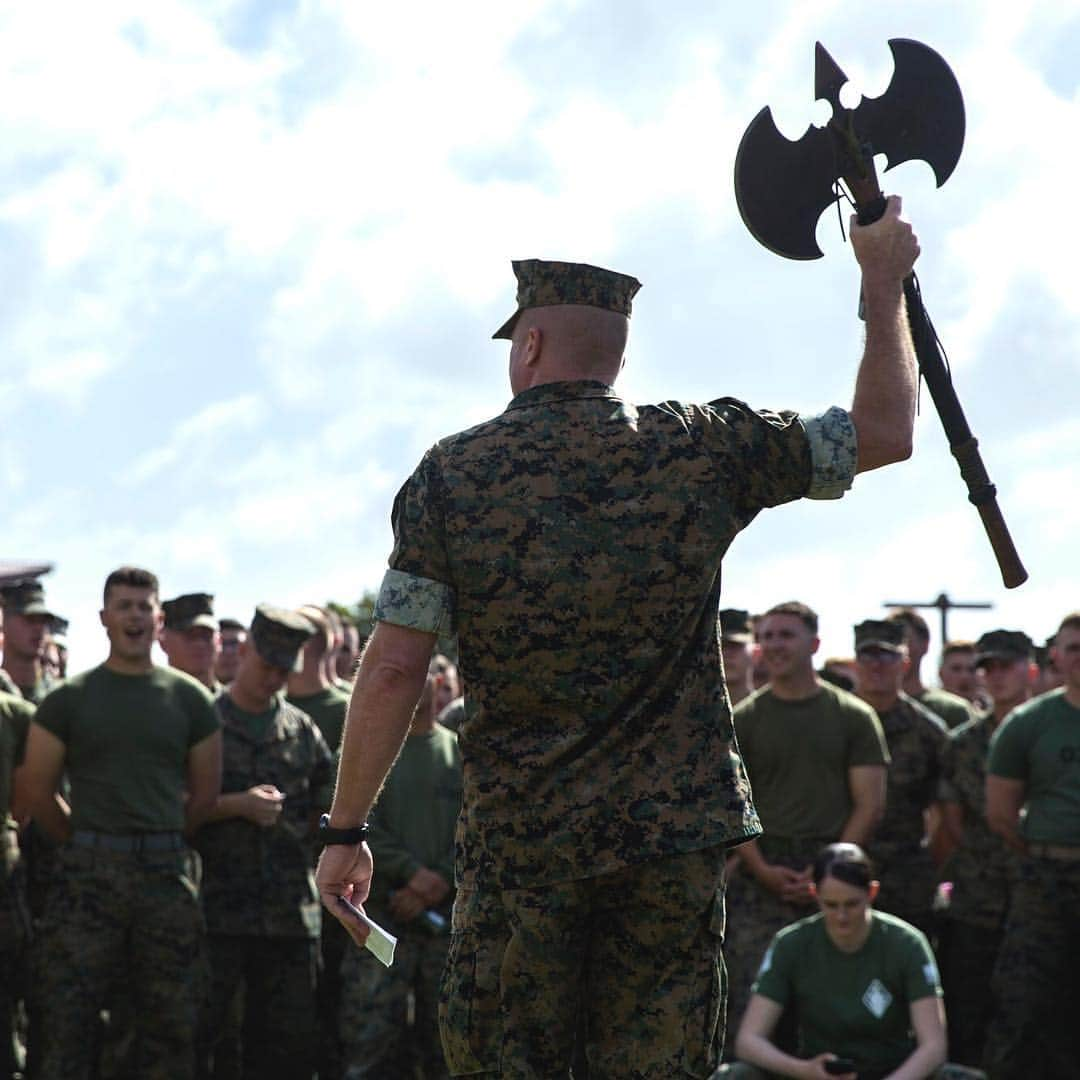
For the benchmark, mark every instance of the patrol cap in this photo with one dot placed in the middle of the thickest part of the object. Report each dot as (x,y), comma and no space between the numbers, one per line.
(24,598)
(545,284)
(279,634)
(1003,645)
(191,609)
(879,634)
(735,625)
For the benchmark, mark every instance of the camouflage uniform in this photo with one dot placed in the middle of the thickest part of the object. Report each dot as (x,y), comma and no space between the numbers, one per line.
(917,741)
(262,911)
(15,717)
(574,544)
(1036,983)
(971,926)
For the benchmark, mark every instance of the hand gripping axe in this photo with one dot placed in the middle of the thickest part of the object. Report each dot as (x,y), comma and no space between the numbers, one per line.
(782,187)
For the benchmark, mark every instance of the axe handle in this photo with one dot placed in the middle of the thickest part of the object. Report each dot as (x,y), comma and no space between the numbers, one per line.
(964,446)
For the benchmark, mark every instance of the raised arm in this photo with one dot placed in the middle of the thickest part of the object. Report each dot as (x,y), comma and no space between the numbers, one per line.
(883,409)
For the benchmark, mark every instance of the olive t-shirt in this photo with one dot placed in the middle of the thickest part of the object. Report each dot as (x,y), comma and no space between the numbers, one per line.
(327,708)
(15,716)
(855,1004)
(1039,743)
(798,753)
(951,708)
(127,739)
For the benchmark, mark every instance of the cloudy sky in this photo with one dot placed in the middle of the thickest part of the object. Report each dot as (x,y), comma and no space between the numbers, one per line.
(253,252)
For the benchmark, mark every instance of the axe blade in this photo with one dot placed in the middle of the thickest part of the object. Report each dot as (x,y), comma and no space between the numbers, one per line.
(921,114)
(782,187)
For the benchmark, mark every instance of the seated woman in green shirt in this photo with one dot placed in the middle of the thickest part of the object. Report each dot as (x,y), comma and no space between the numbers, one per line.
(863,984)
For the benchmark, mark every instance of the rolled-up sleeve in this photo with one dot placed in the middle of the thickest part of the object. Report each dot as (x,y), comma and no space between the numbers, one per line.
(833,453)
(415,602)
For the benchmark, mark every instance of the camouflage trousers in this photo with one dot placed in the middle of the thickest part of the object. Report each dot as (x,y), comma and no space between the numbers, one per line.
(908,883)
(277,1034)
(966,957)
(631,959)
(754,917)
(1036,983)
(377,1039)
(739,1070)
(14,936)
(115,918)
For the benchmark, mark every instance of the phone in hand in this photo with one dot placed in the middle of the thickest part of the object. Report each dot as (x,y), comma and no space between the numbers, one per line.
(839,1066)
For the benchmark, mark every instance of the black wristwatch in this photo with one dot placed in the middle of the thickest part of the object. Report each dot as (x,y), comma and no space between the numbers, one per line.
(329,835)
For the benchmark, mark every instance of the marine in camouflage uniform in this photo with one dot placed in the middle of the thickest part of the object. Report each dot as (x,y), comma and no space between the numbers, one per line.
(141,749)
(951,709)
(917,740)
(1034,767)
(980,865)
(15,716)
(574,543)
(191,639)
(262,913)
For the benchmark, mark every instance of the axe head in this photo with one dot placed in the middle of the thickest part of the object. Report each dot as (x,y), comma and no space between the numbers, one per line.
(782,186)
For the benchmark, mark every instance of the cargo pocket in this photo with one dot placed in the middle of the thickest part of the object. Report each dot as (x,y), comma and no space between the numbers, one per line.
(470,1020)
(706,1016)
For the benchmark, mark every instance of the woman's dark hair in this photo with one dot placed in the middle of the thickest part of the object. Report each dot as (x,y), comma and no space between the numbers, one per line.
(845,862)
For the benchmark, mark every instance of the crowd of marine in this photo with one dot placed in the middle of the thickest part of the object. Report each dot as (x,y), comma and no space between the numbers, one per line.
(158,915)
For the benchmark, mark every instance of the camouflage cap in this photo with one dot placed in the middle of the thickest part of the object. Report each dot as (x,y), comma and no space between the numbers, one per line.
(24,598)
(735,625)
(544,284)
(191,609)
(1003,645)
(279,634)
(885,634)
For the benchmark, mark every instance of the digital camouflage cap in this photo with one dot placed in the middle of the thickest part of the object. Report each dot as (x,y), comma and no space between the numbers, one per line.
(279,634)
(1003,645)
(24,598)
(542,283)
(880,634)
(191,609)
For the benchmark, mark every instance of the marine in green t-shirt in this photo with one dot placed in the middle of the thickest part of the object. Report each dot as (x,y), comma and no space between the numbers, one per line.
(856,1004)
(310,689)
(1033,803)
(141,748)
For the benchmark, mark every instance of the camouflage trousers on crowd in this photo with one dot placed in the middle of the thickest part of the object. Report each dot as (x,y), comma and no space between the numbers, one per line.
(378,1042)
(632,959)
(908,883)
(1034,1034)
(739,1070)
(966,957)
(14,937)
(754,917)
(275,977)
(119,918)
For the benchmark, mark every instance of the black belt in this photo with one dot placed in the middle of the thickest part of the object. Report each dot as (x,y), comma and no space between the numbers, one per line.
(130,844)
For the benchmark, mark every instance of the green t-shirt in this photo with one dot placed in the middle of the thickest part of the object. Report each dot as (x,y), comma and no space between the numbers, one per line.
(798,753)
(1039,743)
(15,716)
(856,1004)
(127,739)
(413,822)
(327,708)
(951,708)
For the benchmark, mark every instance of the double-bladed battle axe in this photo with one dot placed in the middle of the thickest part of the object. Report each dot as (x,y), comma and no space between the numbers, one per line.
(782,187)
